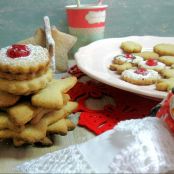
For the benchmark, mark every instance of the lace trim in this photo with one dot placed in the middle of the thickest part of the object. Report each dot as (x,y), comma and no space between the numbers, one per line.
(151,152)
(68,160)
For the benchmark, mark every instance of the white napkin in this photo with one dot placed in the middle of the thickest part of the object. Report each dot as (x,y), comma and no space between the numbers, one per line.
(133,146)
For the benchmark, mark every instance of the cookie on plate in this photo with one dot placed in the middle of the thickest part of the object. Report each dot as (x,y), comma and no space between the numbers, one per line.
(164,49)
(127,58)
(167,73)
(131,47)
(165,84)
(168,60)
(120,68)
(152,64)
(140,76)
(147,55)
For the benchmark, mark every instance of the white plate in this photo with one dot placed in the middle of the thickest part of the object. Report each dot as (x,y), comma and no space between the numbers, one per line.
(95,58)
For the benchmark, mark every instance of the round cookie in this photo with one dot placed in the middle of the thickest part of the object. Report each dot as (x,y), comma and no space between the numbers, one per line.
(152,64)
(167,73)
(147,55)
(131,47)
(168,60)
(165,84)
(127,58)
(26,87)
(140,76)
(164,49)
(20,77)
(120,68)
(23,59)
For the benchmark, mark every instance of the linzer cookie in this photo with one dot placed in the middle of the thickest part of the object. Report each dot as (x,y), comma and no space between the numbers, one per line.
(25,87)
(20,77)
(23,59)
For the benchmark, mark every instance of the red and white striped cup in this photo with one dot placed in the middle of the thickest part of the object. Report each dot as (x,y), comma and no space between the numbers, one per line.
(87,22)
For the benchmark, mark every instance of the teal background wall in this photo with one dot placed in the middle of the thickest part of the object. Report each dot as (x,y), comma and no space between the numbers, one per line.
(20,18)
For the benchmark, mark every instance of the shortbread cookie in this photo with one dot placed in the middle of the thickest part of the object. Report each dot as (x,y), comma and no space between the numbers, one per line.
(6,123)
(147,55)
(120,68)
(131,47)
(23,59)
(39,38)
(7,99)
(152,64)
(168,60)
(28,76)
(39,132)
(164,49)
(52,96)
(165,84)
(61,127)
(63,43)
(120,59)
(140,76)
(46,141)
(167,73)
(22,113)
(26,87)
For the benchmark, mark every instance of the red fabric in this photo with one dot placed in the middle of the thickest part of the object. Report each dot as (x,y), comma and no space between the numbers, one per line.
(74,70)
(127,105)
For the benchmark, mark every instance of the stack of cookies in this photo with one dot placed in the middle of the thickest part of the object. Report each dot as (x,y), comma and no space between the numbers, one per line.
(24,69)
(33,104)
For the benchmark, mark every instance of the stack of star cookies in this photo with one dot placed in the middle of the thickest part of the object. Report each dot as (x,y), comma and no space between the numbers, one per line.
(34,105)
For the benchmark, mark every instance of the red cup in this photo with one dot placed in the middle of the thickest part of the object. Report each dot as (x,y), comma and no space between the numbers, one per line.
(87,22)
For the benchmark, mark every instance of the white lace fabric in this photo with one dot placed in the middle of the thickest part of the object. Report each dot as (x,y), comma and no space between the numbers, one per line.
(133,146)
(152,152)
(68,160)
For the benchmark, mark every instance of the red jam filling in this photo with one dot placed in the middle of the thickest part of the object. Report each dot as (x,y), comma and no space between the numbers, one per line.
(129,56)
(17,51)
(151,62)
(141,71)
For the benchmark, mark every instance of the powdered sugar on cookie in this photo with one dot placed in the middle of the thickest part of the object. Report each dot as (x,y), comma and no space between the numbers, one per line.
(149,74)
(37,55)
(127,58)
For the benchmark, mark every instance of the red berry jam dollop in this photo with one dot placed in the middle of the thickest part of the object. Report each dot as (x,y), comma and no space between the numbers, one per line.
(151,62)
(17,51)
(141,71)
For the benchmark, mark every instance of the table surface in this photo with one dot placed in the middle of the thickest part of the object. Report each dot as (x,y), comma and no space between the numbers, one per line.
(19,19)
